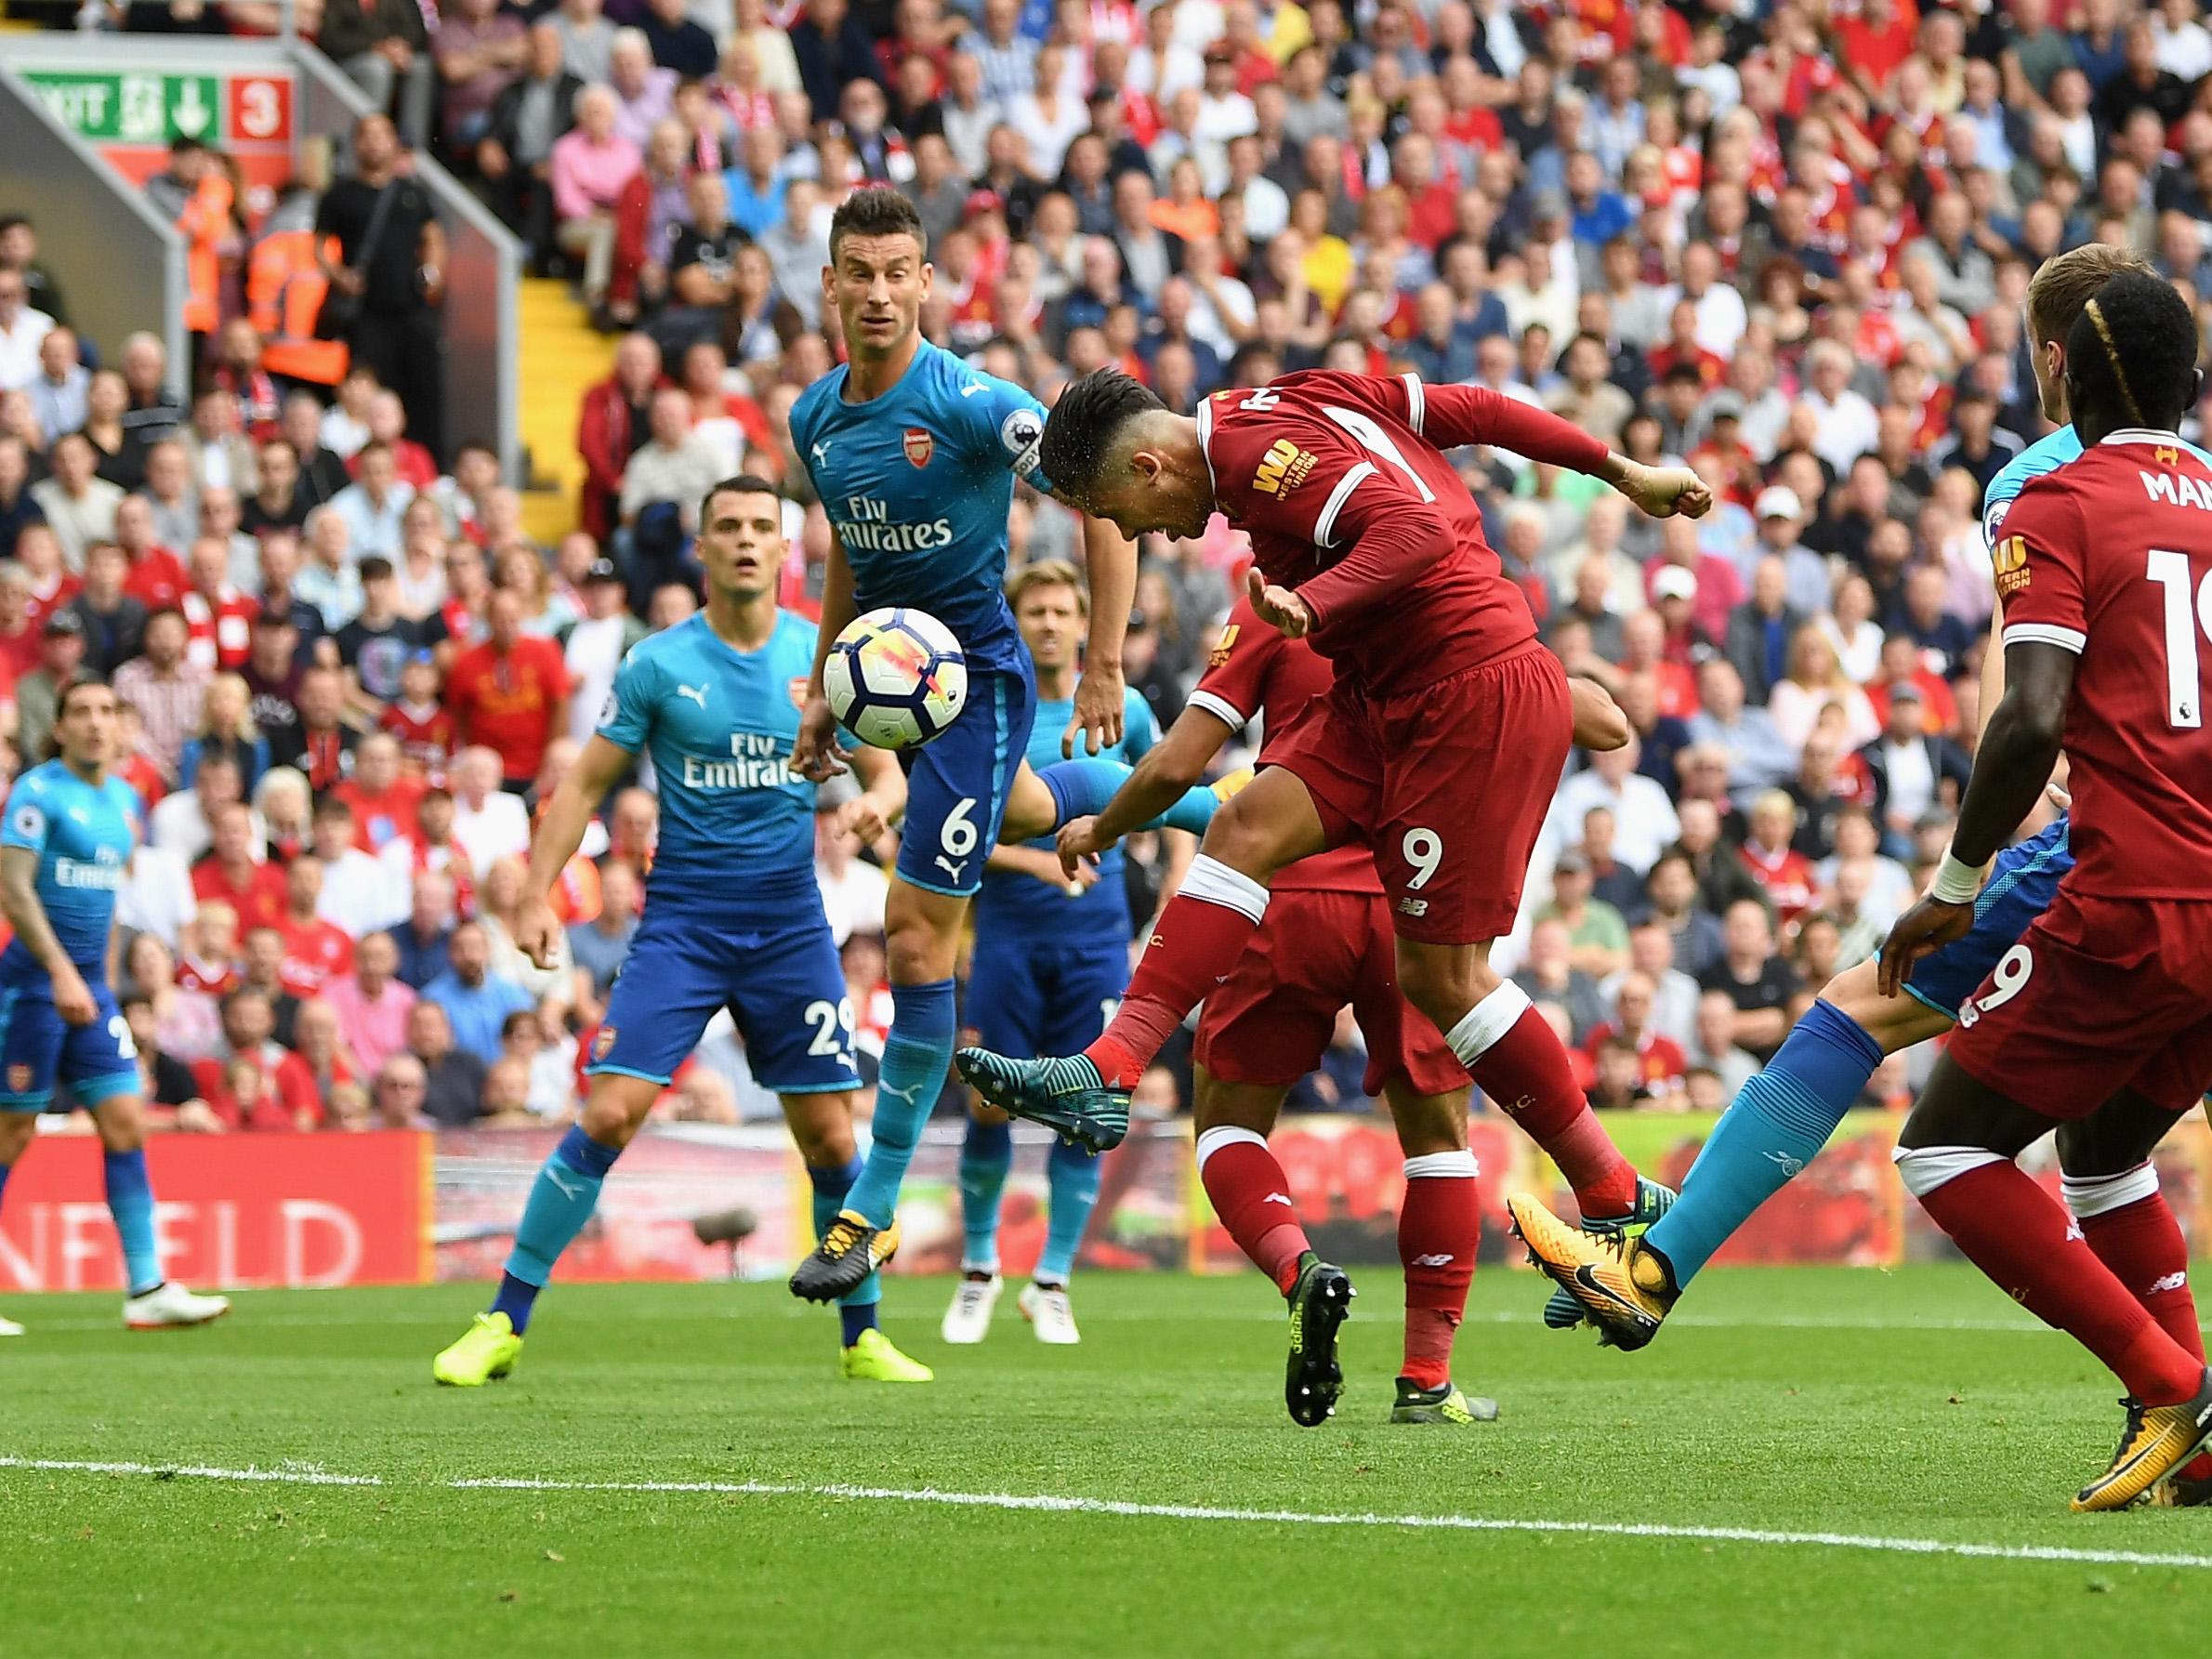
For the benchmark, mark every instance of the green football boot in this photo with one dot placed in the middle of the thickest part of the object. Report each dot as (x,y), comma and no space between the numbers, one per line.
(1066,1095)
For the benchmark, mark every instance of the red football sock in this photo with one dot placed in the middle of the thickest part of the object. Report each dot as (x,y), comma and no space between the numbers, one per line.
(2143,1245)
(1252,1196)
(1439,1225)
(2024,1240)
(1517,1059)
(1201,934)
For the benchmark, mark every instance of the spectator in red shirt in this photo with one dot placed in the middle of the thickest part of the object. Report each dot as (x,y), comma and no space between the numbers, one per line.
(207,961)
(315,951)
(19,637)
(511,693)
(156,578)
(1660,1060)
(382,796)
(256,1083)
(427,733)
(255,891)
(38,550)
(1784,873)
(614,423)
(219,616)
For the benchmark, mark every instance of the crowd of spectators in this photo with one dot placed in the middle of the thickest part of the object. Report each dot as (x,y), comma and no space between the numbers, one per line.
(1784,242)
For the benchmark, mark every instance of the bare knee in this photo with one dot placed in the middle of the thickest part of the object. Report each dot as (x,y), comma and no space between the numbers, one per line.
(821,1128)
(921,934)
(121,1123)
(1444,982)
(17,1129)
(617,1109)
(1428,1124)
(1219,1105)
(1244,839)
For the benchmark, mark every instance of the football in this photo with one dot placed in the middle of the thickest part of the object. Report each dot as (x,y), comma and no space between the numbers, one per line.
(896,679)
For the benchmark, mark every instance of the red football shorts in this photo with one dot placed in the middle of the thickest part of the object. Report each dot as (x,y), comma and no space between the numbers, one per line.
(2099,996)
(1270,1020)
(1448,785)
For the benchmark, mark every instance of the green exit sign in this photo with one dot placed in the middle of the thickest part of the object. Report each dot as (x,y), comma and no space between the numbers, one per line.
(133,107)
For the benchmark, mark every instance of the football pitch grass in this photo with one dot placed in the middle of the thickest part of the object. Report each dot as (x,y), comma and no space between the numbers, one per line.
(1827,1462)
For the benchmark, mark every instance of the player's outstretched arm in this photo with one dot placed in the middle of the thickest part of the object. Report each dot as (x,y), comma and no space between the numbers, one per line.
(1169,769)
(559,833)
(19,898)
(2019,748)
(1110,559)
(815,755)
(1451,416)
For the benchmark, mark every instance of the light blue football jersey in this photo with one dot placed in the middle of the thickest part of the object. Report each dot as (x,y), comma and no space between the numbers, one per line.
(1015,906)
(2047,454)
(83,835)
(720,724)
(919,484)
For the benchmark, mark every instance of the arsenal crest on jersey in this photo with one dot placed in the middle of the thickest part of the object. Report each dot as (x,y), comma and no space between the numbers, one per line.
(798,688)
(920,445)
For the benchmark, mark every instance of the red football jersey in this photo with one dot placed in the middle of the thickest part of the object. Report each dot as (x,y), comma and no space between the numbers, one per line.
(1256,672)
(316,952)
(2109,556)
(428,735)
(1342,483)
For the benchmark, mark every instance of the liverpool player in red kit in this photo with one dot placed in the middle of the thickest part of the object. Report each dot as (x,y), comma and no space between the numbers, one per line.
(2104,1007)
(1438,745)
(1325,943)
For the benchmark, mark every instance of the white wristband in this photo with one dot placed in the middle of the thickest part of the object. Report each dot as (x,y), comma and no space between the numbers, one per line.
(1958,883)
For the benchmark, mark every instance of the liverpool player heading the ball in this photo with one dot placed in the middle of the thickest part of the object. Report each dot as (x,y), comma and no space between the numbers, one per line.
(1440,744)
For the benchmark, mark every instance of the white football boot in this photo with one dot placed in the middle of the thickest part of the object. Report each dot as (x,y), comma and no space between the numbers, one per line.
(1046,1307)
(169,1306)
(968,1321)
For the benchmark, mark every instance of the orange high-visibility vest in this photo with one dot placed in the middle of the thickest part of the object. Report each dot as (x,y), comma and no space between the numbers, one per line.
(204,221)
(283,295)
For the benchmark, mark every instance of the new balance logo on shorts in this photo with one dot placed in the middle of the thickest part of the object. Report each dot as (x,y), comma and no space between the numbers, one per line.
(2171,1282)
(1413,907)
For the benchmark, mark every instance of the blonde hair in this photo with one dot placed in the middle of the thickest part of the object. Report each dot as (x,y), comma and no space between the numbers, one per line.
(1048,573)
(247,733)
(2062,287)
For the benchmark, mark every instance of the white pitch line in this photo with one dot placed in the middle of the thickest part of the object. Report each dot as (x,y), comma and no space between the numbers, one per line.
(1489,1316)
(1049,1503)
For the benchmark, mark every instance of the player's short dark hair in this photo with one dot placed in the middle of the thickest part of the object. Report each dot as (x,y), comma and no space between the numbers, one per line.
(69,688)
(1080,431)
(744,484)
(875,210)
(2131,355)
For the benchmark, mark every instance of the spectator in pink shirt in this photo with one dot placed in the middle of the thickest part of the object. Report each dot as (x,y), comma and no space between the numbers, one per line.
(371,1005)
(591,162)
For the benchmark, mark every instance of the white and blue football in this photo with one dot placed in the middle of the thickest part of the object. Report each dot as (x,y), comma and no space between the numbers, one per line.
(896,677)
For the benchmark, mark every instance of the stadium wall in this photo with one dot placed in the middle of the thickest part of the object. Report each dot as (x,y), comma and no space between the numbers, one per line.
(393,1207)
(89,218)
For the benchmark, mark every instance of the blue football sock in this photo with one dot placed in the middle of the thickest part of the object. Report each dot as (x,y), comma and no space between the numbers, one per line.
(130,1201)
(1074,1176)
(986,1157)
(832,1181)
(561,1200)
(916,1057)
(1082,788)
(854,1318)
(1772,1130)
